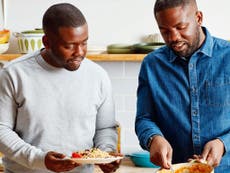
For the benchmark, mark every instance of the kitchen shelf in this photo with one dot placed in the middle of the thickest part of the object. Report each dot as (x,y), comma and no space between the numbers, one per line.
(93,57)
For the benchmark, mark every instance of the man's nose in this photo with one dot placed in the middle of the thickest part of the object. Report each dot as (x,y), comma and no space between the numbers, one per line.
(79,50)
(174,35)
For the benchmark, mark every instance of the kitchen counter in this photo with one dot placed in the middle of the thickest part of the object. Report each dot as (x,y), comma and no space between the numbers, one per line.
(94,57)
(128,167)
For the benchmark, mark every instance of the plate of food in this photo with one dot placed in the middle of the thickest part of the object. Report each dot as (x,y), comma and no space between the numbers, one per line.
(93,156)
(191,167)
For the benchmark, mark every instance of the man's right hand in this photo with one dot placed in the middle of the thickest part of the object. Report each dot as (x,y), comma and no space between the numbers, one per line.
(55,162)
(161,152)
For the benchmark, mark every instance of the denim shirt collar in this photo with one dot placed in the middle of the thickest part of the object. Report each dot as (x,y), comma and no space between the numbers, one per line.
(206,48)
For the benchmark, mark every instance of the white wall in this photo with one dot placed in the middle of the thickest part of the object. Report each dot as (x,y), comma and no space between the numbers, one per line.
(113,21)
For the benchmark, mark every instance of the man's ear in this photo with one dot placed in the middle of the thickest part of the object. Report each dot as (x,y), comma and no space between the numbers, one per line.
(45,42)
(199,17)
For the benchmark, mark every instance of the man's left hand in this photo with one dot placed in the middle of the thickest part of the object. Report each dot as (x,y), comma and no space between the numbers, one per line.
(213,152)
(111,167)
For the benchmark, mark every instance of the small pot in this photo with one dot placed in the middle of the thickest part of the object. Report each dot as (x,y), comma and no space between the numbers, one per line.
(29,41)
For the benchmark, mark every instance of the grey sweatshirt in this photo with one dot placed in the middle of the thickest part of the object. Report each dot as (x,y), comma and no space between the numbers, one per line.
(44,108)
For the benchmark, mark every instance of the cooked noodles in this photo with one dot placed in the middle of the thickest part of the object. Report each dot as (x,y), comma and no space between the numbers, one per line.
(94,153)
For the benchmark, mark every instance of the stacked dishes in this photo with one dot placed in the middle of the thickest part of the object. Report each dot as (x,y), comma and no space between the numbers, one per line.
(139,48)
(147,47)
(120,49)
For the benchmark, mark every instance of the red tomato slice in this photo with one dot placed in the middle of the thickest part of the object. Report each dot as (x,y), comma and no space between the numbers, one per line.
(76,155)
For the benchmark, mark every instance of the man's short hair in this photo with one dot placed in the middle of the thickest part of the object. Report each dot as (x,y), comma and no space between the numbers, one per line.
(62,15)
(165,4)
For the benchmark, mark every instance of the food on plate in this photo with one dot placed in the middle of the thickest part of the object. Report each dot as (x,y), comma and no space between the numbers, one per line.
(193,168)
(91,153)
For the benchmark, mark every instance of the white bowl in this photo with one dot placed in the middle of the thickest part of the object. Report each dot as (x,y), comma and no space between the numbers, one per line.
(4,47)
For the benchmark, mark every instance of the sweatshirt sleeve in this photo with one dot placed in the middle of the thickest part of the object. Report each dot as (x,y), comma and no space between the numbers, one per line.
(106,136)
(11,144)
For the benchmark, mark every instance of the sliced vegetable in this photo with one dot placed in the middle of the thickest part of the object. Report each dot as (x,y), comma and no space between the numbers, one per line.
(76,155)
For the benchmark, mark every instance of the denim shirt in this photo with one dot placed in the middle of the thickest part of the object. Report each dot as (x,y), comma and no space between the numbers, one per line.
(187,102)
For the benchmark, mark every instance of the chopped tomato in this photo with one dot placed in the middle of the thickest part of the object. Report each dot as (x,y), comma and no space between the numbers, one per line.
(76,155)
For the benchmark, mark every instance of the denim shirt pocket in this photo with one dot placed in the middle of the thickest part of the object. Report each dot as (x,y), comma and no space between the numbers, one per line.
(218,92)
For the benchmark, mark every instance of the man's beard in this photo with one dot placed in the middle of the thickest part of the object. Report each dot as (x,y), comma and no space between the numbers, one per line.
(191,47)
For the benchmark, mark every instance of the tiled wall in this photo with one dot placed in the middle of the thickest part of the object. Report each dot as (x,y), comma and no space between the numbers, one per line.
(124,76)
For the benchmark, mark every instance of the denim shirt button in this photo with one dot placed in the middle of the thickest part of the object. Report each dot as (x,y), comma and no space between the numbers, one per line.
(193,89)
(191,66)
(194,112)
(196,137)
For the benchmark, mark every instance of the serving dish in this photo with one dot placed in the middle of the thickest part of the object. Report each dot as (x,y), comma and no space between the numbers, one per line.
(188,167)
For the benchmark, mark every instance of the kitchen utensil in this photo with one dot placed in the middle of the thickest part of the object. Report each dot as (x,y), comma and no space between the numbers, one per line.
(172,170)
(141,159)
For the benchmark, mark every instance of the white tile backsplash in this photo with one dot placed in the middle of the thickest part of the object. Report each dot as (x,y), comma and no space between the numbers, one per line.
(130,102)
(114,69)
(124,76)
(126,118)
(119,102)
(132,69)
(124,86)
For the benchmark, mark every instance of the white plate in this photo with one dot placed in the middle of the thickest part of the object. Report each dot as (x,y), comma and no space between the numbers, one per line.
(96,160)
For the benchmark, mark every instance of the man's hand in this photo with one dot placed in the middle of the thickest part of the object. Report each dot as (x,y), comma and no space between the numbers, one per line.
(55,162)
(161,152)
(213,152)
(111,167)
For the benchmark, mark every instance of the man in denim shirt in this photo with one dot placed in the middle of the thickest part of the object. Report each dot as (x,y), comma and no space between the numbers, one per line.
(183,105)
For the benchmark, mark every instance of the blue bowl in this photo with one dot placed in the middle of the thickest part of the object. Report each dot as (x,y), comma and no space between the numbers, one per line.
(142,159)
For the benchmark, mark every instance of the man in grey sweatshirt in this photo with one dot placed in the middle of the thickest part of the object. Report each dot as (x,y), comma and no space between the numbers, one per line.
(56,101)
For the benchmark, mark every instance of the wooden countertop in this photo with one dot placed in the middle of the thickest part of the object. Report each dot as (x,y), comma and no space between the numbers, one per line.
(94,57)
(128,167)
